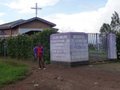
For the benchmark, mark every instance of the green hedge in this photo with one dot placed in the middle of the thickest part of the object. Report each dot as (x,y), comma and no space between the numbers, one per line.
(118,44)
(1,47)
(21,47)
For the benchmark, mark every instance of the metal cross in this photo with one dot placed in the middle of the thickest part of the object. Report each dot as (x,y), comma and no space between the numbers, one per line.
(36,9)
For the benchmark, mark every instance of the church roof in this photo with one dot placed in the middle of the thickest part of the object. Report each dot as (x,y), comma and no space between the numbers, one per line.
(21,21)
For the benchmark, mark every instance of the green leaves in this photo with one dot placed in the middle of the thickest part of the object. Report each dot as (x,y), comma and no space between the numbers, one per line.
(19,47)
(118,42)
(22,46)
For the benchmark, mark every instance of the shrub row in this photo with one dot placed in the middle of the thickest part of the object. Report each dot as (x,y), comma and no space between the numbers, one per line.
(22,45)
(118,42)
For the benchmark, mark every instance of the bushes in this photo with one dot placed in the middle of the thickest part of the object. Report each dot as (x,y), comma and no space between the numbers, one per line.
(1,47)
(118,43)
(22,45)
(19,47)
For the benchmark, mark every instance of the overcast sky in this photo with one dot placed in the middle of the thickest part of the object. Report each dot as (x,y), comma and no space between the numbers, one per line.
(69,15)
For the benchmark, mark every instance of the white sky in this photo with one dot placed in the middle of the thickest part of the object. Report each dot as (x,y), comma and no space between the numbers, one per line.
(75,16)
(88,21)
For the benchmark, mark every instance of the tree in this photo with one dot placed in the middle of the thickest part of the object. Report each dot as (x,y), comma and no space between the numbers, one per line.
(115,22)
(115,19)
(114,25)
(105,28)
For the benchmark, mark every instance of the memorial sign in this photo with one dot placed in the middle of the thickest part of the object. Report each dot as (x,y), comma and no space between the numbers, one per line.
(69,48)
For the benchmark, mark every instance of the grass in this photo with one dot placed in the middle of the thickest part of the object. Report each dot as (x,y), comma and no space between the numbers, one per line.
(11,71)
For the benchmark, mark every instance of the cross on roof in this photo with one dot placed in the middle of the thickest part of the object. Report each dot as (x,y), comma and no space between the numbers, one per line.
(36,9)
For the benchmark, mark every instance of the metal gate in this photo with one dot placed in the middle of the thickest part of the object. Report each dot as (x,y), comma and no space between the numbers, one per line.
(97,44)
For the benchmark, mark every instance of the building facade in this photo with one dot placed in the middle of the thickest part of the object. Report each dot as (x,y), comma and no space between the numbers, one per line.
(25,26)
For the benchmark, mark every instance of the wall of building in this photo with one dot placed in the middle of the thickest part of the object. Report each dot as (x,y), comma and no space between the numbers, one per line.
(15,31)
(35,24)
(30,25)
(10,32)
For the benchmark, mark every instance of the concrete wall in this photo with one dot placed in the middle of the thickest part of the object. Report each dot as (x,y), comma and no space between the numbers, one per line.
(79,47)
(111,44)
(69,48)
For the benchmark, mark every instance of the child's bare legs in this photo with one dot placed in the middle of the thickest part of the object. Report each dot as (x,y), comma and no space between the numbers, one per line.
(43,63)
(40,63)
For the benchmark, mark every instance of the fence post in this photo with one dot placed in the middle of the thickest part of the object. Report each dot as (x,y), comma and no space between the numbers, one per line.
(111,44)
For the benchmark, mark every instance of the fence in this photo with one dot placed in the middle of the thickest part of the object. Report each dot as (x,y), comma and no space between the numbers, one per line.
(97,44)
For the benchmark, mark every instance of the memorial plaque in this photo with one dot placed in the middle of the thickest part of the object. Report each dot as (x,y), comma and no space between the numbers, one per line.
(69,48)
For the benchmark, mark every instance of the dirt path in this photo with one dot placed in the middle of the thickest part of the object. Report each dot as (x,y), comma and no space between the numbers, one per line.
(59,78)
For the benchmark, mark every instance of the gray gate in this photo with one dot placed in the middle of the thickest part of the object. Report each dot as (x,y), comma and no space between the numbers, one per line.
(97,44)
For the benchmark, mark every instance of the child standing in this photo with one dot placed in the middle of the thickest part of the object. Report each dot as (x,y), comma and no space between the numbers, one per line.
(40,57)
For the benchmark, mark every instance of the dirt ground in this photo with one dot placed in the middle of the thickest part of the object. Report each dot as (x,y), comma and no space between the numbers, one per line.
(60,78)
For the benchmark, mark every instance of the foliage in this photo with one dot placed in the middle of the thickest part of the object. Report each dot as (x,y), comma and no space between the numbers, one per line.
(115,19)
(11,71)
(1,47)
(118,42)
(22,45)
(118,45)
(91,47)
(105,28)
(115,22)
(114,26)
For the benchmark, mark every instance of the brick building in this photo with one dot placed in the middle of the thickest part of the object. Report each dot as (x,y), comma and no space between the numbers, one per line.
(24,27)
